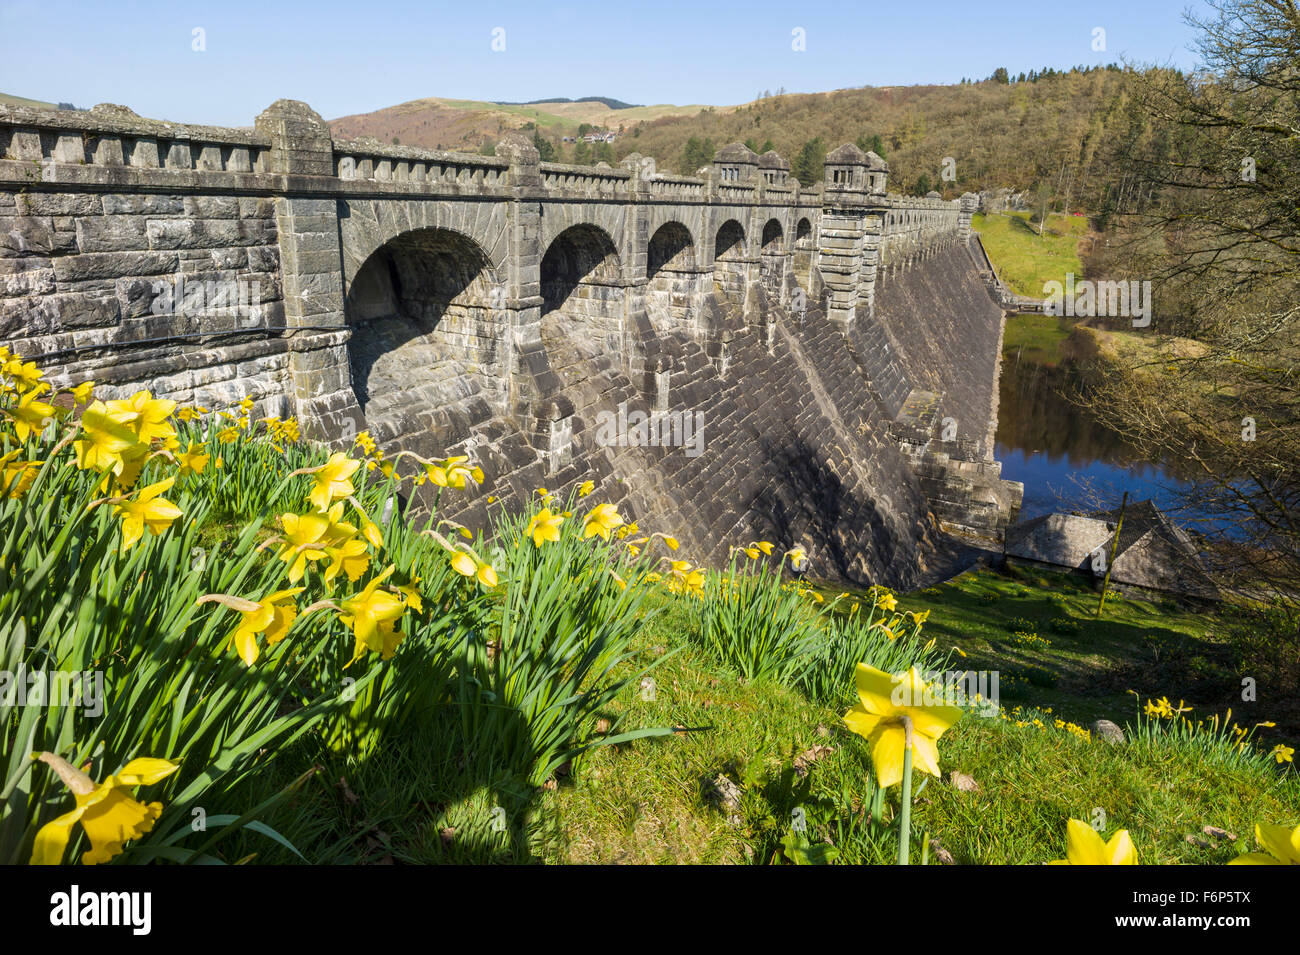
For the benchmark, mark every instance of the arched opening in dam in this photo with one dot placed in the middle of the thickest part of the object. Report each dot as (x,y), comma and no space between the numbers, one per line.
(772,235)
(771,255)
(425,332)
(801,261)
(803,234)
(728,257)
(672,271)
(671,249)
(581,280)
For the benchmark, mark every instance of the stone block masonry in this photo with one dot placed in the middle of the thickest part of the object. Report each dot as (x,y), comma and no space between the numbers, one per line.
(502,306)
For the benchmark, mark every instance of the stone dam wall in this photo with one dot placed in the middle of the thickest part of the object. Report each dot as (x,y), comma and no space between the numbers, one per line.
(834,346)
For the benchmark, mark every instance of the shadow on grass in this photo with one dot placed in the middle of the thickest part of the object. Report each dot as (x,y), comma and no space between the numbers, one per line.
(422,797)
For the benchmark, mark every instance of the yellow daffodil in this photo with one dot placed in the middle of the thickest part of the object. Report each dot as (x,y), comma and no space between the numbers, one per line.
(109,817)
(883,722)
(764,546)
(1085,846)
(146,509)
(365,442)
(468,565)
(193,461)
(273,615)
(349,557)
(412,595)
(585,488)
(1282,753)
(145,415)
(544,527)
(16,477)
(24,374)
(1281,846)
(371,532)
(456,470)
(29,415)
(464,563)
(671,542)
(305,540)
(370,615)
(694,583)
(602,519)
(83,392)
(188,414)
(333,480)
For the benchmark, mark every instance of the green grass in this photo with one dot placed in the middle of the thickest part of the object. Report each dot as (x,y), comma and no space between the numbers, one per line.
(1151,647)
(1025,260)
(650,801)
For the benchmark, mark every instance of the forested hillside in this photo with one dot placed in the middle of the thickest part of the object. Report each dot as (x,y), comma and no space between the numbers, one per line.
(1047,134)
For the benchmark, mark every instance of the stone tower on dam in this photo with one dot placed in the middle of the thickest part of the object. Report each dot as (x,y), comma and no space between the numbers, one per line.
(833,344)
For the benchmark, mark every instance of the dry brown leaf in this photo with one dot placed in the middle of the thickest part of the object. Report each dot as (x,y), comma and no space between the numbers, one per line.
(810,756)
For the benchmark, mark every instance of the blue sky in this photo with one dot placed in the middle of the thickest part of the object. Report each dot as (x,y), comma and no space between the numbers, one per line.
(354,57)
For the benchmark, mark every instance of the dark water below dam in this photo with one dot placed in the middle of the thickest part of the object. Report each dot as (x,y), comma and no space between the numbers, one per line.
(1066,458)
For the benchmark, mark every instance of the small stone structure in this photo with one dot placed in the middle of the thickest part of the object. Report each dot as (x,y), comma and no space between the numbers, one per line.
(1153,552)
(836,341)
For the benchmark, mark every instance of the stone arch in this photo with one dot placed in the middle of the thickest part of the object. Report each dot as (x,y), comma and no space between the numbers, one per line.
(580,266)
(803,233)
(730,242)
(729,267)
(425,310)
(773,234)
(671,249)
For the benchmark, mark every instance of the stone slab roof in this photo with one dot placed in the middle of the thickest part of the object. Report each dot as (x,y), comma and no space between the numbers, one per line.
(1153,551)
(1063,539)
(736,152)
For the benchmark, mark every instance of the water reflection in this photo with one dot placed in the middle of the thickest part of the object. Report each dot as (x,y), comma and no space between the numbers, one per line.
(1067,460)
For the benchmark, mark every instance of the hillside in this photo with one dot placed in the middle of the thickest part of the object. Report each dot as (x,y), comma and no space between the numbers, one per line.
(7,99)
(457,124)
(1054,130)
(1048,134)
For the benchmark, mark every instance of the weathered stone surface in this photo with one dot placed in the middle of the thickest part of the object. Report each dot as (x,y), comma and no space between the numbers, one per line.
(31,235)
(112,265)
(1107,732)
(207,233)
(507,308)
(112,234)
(115,205)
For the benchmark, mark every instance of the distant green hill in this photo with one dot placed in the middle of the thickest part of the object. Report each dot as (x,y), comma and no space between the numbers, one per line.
(8,100)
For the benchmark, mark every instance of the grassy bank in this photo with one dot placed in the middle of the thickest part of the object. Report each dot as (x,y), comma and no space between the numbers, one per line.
(294,669)
(1024,259)
(657,800)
